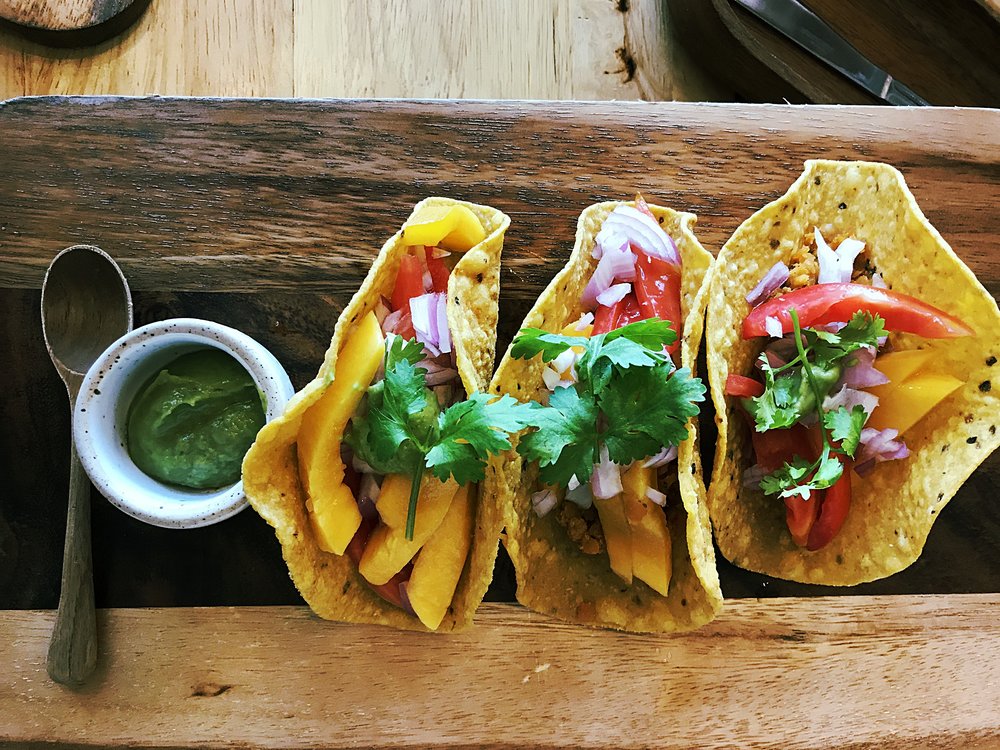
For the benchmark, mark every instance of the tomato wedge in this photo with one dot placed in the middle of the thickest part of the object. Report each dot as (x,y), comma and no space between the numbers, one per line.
(773,449)
(610,317)
(833,508)
(830,303)
(658,291)
(742,386)
(438,271)
(409,282)
(800,516)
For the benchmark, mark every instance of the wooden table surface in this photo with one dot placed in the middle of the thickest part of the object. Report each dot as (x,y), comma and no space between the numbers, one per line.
(480,49)
(862,671)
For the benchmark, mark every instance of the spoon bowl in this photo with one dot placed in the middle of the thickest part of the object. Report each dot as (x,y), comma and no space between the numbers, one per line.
(86,306)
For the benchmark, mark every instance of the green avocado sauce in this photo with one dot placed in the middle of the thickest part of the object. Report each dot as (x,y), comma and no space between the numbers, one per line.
(192,422)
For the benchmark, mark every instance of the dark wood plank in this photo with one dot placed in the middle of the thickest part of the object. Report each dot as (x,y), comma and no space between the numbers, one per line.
(265,214)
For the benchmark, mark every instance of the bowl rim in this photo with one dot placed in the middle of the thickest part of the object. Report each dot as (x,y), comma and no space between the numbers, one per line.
(97,418)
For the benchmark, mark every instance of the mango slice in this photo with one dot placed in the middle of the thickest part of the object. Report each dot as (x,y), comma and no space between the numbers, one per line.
(898,366)
(388,549)
(333,513)
(450,227)
(441,561)
(651,546)
(902,404)
(617,535)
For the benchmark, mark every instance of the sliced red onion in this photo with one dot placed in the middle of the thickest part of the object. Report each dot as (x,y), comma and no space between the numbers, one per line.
(426,319)
(543,501)
(391,321)
(585,320)
(860,372)
(606,481)
(428,281)
(367,508)
(773,327)
(405,599)
(369,488)
(613,294)
(440,377)
(662,458)
(656,496)
(878,282)
(772,280)
(836,267)
(609,240)
(613,265)
(849,398)
(753,476)
(573,483)
(643,232)
(439,252)
(360,466)
(444,333)
(878,446)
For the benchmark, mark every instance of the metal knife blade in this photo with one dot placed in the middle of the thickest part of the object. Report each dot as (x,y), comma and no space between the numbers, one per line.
(799,24)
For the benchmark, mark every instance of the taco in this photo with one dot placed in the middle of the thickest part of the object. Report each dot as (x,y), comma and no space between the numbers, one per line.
(850,354)
(604,507)
(399,404)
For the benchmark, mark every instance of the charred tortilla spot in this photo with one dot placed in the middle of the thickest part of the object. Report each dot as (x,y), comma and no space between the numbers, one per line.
(985,386)
(842,206)
(990,361)
(971,440)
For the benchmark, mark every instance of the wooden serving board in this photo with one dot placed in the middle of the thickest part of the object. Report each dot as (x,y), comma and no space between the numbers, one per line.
(264,215)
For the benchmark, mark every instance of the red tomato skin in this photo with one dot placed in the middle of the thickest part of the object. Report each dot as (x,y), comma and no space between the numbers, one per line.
(741,386)
(604,318)
(439,272)
(409,282)
(658,290)
(833,509)
(829,303)
(800,516)
(390,589)
(628,311)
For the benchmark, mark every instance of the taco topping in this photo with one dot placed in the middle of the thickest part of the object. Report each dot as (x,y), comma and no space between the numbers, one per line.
(397,495)
(824,381)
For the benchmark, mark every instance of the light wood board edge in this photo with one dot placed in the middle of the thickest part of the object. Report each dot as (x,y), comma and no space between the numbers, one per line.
(887,672)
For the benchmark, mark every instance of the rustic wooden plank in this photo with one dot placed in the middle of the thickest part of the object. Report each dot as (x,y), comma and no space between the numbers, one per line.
(856,672)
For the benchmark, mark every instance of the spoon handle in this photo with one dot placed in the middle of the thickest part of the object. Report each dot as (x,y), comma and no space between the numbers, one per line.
(73,646)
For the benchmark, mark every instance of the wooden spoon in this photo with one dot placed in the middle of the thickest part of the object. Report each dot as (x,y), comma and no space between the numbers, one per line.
(86,306)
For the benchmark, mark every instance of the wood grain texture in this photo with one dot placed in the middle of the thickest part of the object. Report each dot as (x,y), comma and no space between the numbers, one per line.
(522,49)
(854,672)
(264,215)
(62,15)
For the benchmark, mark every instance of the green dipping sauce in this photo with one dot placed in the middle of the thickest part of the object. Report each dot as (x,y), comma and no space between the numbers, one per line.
(192,422)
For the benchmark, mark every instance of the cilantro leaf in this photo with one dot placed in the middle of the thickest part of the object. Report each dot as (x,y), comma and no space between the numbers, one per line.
(845,426)
(652,334)
(647,409)
(532,341)
(565,442)
(471,430)
(399,349)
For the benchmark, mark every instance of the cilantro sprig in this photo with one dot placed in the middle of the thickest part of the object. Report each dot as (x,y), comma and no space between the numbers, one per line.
(628,397)
(405,431)
(797,390)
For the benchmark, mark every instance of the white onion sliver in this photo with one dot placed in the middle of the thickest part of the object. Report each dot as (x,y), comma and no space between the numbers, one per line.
(573,483)
(585,320)
(551,378)
(662,458)
(581,496)
(439,252)
(878,282)
(543,501)
(564,361)
(772,280)
(836,266)
(613,294)
(860,372)
(656,496)
(606,481)
(609,239)
(643,232)
(613,265)
(881,445)
(773,327)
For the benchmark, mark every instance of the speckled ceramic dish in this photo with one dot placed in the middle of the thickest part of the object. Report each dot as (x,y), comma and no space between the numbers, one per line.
(99,422)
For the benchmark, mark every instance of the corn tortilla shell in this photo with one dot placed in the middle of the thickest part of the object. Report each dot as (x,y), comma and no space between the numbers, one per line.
(330,583)
(553,576)
(894,507)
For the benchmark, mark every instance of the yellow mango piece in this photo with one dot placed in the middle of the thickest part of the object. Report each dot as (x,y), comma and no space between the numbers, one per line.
(898,366)
(902,404)
(572,330)
(441,561)
(651,546)
(388,549)
(617,535)
(451,227)
(333,512)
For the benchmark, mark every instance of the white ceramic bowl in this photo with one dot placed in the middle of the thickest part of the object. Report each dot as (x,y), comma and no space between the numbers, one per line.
(102,409)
